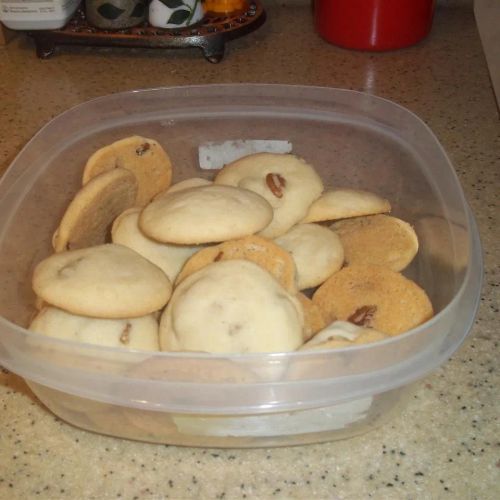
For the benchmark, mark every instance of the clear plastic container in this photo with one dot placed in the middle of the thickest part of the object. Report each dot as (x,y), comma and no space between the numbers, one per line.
(354,140)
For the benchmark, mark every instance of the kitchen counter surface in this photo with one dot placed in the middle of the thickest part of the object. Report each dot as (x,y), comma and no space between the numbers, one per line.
(445,443)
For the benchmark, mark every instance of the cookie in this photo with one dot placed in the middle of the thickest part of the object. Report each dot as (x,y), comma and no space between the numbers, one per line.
(231,306)
(343,334)
(188,183)
(287,182)
(205,214)
(377,239)
(169,258)
(128,333)
(316,250)
(90,214)
(313,317)
(144,157)
(374,297)
(260,250)
(336,204)
(105,281)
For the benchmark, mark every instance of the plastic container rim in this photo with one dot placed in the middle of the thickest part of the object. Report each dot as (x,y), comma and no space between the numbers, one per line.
(472,233)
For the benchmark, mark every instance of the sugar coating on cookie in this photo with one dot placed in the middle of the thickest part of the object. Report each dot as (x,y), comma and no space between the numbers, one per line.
(205,214)
(128,333)
(343,334)
(374,296)
(260,250)
(89,215)
(377,239)
(287,182)
(105,281)
(316,250)
(231,306)
(342,203)
(144,157)
(168,257)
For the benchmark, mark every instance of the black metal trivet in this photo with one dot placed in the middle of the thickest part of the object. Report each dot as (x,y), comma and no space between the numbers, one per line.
(210,34)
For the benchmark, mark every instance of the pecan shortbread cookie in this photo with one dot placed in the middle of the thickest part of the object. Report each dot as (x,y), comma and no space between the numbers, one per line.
(260,250)
(144,157)
(287,182)
(377,239)
(343,334)
(231,306)
(105,281)
(342,203)
(314,320)
(89,215)
(128,333)
(168,257)
(188,183)
(316,250)
(375,297)
(205,214)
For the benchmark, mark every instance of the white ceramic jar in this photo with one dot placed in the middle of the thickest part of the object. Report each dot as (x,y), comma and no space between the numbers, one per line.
(175,13)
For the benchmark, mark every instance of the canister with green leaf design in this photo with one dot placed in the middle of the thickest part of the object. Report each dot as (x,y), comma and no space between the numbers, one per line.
(115,14)
(175,13)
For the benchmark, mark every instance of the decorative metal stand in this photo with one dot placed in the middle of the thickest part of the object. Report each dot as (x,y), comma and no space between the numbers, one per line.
(210,35)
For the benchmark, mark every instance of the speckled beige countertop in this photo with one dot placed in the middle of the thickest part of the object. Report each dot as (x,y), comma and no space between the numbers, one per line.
(445,443)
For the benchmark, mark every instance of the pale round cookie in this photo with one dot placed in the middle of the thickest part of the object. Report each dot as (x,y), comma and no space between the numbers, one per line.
(188,183)
(374,297)
(313,317)
(342,203)
(144,157)
(168,257)
(89,215)
(287,182)
(316,250)
(260,250)
(231,306)
(343,334)
(105,281)
(377,239)
(205,214)
(129,333)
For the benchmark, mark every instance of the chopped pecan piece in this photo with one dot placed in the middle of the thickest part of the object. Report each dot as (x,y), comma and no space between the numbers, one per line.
(218,256)
(363,316)
(142,149)
(276,183)
(125,335)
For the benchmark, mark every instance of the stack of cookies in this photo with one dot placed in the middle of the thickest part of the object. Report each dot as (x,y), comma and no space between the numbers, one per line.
(261,258)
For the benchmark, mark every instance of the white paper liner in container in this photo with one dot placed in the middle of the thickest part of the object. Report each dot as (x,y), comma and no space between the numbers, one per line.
(214,155)
(280,424)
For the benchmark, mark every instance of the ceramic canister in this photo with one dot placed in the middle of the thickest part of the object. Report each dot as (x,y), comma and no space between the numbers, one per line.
(115,14)
(175,13)
(373,24)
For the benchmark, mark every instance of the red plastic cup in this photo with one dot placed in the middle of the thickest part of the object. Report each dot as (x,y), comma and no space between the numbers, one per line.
(374,25)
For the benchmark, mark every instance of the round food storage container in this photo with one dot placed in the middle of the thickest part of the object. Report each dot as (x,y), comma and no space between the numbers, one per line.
(243,400)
